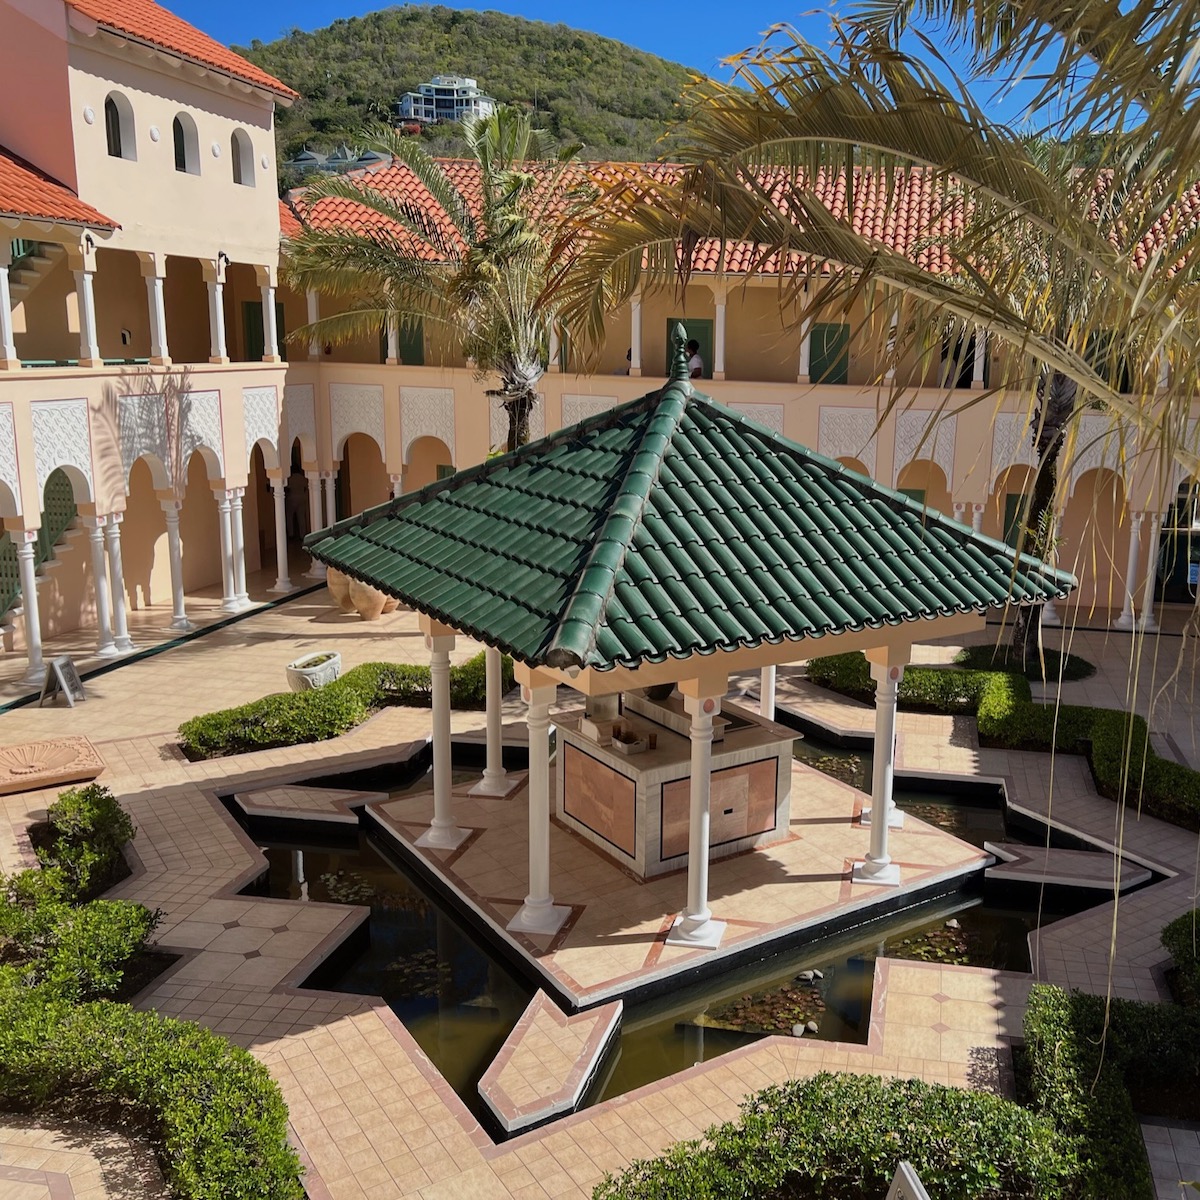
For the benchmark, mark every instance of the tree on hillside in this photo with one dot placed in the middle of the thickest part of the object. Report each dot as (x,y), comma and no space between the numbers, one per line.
(474,265)
(1078,262)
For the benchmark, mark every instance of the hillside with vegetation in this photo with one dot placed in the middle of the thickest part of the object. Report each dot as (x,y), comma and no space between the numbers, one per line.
(614,99)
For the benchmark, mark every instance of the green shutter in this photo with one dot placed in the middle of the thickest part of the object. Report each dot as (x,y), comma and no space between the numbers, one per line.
(829,353)
(445,470)
(412,344)
(917,494)
(252,329)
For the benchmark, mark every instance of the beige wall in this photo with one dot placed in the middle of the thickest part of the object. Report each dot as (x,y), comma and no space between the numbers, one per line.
(367,477)
(144,555)
(159,208)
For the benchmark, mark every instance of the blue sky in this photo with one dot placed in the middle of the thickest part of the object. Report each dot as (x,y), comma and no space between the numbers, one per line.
(698,33)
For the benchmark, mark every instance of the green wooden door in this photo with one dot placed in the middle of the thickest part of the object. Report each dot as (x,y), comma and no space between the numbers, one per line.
(696,328)
(829,353)
(252,330)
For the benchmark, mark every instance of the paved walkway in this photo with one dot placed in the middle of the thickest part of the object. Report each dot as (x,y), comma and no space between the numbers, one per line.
(371,1115)
(1173,1148)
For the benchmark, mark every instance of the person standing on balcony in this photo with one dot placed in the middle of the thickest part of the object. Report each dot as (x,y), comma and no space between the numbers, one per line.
(695,363)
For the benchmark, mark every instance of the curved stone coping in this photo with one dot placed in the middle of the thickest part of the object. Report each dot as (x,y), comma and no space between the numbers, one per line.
(547,1062)
(298,802)
(30,766)
(1065,868)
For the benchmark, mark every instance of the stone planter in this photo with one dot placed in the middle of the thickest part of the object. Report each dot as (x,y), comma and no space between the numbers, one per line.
(339,588)
(367,600)
(314,670)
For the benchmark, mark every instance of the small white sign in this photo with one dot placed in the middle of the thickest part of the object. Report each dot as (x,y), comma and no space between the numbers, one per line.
(62,677)
(906,1185)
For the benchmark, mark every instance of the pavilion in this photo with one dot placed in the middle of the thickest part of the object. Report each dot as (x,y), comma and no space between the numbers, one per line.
(670,540)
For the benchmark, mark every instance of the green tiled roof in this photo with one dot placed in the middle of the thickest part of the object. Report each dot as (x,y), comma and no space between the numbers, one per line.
(667,527)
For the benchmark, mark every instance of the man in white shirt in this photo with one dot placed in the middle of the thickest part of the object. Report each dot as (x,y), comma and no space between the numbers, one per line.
(695,363)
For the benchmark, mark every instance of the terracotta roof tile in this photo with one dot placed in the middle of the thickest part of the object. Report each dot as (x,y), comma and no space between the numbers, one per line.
(289,225)
(150,22)
(906,220)
(27,192)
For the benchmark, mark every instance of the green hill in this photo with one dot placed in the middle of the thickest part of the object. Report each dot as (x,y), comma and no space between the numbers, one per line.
(587,88)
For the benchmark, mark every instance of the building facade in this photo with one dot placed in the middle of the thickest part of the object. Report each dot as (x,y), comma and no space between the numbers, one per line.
(445,98)
(159,433)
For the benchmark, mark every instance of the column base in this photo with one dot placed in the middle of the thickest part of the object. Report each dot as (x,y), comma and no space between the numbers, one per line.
(1147,625)
(497,785)
(1124,621)
(707,935)
(866,872)
(316,571)
(182,625)
(442,838)
(109,651)
(125,646)
(218,360)
(1050,617)
(544,919)
(282,587)
(895,817)
(35,676)
(231,606)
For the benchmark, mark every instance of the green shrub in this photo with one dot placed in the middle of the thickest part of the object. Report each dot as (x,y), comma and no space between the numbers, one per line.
(843,1135)
(88,831)
(1118,745)
(1181,938)
(217,1117)
(1001,658)
(292,718)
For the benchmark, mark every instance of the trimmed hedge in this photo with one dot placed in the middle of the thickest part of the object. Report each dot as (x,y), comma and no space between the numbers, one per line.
(1069,667)
(216,1117)
(1084,1056)
(842,1136)
(216,1114)
(1181,938)
(1116,743)
(293,718)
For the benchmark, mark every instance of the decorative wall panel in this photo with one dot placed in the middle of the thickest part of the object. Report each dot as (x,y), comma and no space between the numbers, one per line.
(61,438)
(427,412)
(925,435)
(847,433)
(356,408)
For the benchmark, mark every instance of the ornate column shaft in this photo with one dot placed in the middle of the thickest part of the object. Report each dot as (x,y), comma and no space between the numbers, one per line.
(229,602)
(495,778)
(270,326)
(1127,617)
(89,349)
(1146,621)
(179,617)
(116,571)
(317,569)
(878,867)
(442,833)
(218,348)
(237,529)
(635,335)
(105,647)
(283,584)
(25,540)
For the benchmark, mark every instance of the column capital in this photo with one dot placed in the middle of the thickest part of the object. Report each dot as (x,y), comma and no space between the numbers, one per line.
(432,628)
(82,255)
(710,685)
(266,275)
(891,655)
(152,264)
(213,269)
(539,697)
(530,677)
(702,706)
(885,673)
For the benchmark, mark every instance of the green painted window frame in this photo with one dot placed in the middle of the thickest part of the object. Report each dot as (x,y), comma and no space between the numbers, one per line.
(917,494)
(829,352)
(255,336)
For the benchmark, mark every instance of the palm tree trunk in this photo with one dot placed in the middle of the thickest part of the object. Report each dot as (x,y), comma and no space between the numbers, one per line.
(519,408)
(1056,395)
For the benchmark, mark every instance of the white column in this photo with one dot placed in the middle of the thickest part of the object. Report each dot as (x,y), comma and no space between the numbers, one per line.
(539,914)
(1146,622)
(804,369)
(218,348)
(1126,619)
(317,569)
(237,530)
(313,302)
(442,833)
(270,331)
(635,336)
(283,584)
(555,348)
(397,482)
(878,867)
(766,692)
(495,778)
(330,480)
(977,517)
(116,573)
(981,349)
(719,339)
(695,925)
(1164,373)
(105,646)
(890,372)
(393,344)
(159,354)
(25,540)
(8,348)
(89,349)
(960,511)
(229,603)
(179,618)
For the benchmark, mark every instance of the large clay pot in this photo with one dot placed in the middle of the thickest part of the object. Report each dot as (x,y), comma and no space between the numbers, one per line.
(390,604)
(367,600)
(339,588)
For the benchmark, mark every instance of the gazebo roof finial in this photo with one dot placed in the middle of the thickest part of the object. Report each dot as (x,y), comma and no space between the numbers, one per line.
(679,357)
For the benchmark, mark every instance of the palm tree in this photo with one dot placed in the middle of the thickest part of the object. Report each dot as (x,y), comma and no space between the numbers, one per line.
(1076,262)
(419,248)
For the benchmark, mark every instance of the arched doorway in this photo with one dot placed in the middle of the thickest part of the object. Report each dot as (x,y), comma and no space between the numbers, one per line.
(258,515)
(363,479)
(429,459)
(199,527)
(925,482)
(1094,535)
(1007,507)
(144,554)
(854,464)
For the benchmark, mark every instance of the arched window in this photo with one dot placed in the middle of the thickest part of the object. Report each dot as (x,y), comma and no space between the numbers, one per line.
(187,145)
(242,153)
(118,126)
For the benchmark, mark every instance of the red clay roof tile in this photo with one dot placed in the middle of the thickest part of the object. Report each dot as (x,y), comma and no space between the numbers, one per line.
(27,192)
(147,21)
